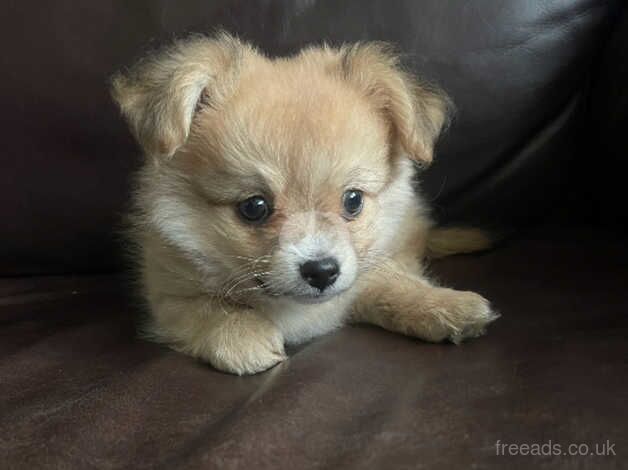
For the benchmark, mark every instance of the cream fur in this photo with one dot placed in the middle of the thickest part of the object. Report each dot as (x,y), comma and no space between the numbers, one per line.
(219,123)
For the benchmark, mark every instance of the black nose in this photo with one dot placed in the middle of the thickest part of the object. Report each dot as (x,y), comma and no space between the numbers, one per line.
(320,273)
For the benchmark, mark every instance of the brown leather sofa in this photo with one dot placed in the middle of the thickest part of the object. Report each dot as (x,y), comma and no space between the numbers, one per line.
(536,150)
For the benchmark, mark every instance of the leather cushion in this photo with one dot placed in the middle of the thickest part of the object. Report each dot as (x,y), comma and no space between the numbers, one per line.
(78,390)
(513,67)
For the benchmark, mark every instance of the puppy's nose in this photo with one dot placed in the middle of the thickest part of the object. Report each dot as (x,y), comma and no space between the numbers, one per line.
(320,273)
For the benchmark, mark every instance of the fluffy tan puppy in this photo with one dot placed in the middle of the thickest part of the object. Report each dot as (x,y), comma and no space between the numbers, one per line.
(276,200)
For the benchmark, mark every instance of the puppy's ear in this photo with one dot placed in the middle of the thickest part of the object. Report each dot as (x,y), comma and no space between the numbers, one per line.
(416,112)
(160,95)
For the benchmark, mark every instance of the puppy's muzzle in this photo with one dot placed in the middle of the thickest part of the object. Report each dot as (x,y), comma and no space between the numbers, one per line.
(320,273)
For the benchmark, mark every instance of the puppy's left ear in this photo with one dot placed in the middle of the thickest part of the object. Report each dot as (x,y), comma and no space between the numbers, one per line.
(416,112)
(160,95)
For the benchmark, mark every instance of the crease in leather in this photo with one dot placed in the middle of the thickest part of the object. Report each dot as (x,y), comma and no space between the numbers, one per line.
(495,176)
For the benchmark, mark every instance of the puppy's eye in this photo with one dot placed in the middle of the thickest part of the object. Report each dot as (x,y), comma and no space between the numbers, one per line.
(254,209)
(352,201)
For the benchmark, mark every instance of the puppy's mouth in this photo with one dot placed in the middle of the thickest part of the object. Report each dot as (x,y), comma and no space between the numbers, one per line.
(302,298)
(314,298)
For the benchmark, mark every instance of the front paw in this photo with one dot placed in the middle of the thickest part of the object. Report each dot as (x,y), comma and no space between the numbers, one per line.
(243,344)
(457,315)
(465,315)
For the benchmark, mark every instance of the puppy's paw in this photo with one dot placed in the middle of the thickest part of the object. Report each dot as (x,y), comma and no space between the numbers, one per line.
(466,315)
(456,315)
(243,344)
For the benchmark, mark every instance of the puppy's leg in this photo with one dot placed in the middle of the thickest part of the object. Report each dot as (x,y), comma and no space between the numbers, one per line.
(232,339)
(405,303)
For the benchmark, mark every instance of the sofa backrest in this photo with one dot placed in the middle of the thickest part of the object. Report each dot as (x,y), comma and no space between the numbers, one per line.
(517,70)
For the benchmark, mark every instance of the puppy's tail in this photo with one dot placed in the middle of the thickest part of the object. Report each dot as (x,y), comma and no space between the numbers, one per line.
(446,241)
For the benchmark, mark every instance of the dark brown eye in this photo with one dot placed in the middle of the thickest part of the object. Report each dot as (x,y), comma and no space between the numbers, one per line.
(254,209)
(352,201)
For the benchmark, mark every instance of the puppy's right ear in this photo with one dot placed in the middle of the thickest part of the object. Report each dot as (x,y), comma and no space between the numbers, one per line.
(416,112)
(160,95)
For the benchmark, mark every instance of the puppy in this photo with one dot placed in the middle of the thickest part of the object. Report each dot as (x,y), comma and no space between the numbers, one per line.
(276,200)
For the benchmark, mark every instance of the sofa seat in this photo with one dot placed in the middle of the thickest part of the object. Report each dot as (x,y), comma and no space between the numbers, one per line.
(80,390)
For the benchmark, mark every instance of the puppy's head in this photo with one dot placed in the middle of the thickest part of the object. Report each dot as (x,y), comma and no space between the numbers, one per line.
(282,177)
